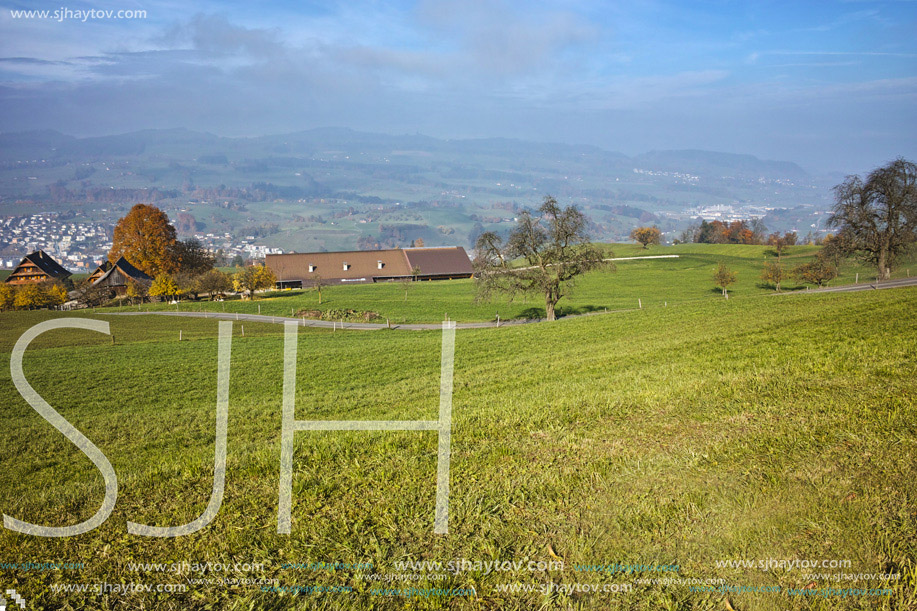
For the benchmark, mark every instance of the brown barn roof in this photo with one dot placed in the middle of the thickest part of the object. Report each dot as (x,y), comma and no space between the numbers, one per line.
(449,261)
(363,265)
(45,264)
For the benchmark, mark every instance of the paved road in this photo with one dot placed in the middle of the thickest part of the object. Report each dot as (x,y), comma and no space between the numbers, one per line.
(865,286)
(367,326)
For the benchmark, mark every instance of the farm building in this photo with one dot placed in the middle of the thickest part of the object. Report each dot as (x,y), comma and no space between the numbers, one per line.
(37,267)
(296,270)
(116,276)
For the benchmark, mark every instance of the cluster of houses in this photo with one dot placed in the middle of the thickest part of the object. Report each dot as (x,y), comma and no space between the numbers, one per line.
(38,266)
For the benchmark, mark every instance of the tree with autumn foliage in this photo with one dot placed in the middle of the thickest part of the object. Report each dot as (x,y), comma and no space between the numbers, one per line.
(146,238)
(780,243)
(774,273)
(164,285)
(817,272)
(723,276)
(646,235)
(7,295)
(253,278)
(135,291)
(29,296)
(56,294)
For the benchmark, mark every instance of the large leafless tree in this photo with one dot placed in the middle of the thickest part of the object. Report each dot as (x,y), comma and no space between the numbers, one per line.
(552,242)
(879,213)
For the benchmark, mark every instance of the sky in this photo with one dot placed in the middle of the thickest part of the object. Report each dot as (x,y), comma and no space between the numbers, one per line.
(831,85)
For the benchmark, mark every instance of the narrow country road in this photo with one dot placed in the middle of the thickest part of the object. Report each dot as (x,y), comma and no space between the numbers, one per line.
(865,286)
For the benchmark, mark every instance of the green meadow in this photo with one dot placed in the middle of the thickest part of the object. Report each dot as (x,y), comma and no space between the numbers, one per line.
(646,282)
(688,434)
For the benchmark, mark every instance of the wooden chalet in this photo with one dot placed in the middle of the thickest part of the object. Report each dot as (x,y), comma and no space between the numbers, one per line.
(296,270)
(37,267)
(99,272)
(116,276)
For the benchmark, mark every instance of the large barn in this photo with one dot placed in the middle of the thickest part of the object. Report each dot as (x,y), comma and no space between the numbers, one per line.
(116,276)
(37,267)
(296,270)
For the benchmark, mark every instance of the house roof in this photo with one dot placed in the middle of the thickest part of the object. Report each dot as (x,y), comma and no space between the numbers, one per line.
(364,264)
(330,265)
(106,265)
(45,263)
(124,266)
(452,260)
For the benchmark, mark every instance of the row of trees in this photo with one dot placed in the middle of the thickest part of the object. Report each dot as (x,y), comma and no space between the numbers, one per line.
(32,295)
(816,272)
(213,282)
(718,232)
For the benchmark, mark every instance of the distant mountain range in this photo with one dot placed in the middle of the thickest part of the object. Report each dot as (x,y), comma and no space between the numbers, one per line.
(49,144)
(333,187)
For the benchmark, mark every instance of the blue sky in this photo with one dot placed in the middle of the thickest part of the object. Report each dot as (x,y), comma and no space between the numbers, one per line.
(830,85)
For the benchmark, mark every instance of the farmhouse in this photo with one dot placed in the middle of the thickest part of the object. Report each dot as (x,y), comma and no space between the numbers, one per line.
(116,276)
(37,267)
(296,270)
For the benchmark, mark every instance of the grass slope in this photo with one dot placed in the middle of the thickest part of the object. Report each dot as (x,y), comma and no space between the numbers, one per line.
(650,282)
(715,430)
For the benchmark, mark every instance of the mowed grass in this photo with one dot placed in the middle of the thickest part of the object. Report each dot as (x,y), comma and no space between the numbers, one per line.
(646,282)
(714,430)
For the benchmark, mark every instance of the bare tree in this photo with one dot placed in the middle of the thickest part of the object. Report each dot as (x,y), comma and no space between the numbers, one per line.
(880,213)
(553,245)
(318,283)
(406,281)
(837,247)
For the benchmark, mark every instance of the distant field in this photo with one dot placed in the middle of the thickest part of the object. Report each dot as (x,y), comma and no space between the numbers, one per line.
(702,432)
(652,283)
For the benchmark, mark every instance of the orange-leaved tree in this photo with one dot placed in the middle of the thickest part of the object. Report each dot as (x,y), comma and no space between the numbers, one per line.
(646,235)
(146,239)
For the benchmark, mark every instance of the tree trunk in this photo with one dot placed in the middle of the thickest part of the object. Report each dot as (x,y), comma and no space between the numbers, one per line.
(881,268)
(549,306)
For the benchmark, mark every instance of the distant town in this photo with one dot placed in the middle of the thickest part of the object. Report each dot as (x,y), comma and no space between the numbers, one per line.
(80,245)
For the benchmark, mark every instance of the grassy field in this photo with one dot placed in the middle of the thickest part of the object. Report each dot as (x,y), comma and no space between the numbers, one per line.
(703,432)
(648,282)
